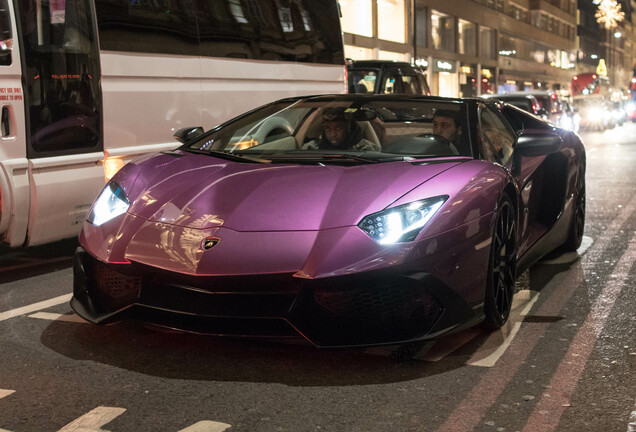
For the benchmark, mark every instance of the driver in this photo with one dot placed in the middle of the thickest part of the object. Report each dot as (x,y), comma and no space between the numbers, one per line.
(340,133)
(446,124)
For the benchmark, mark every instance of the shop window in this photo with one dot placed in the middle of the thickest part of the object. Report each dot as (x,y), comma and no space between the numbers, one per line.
(443,31)
(391,25)
(357,17)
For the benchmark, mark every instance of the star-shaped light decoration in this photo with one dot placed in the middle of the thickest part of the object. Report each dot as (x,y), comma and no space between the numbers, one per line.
(609,13)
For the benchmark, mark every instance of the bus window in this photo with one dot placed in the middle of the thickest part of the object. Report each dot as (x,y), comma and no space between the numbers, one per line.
(61,65)
(161,27)
(262,30)
(6,38)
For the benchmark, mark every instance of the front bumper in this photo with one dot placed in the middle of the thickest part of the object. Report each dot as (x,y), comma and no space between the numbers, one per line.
(373,308)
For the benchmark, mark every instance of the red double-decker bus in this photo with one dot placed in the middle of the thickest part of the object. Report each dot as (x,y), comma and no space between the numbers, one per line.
(587,84)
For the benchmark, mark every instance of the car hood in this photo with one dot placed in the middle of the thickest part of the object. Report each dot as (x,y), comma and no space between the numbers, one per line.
(203,192)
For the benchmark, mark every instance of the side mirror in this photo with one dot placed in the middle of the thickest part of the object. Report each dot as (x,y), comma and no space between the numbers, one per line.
(538,143)
(184,135)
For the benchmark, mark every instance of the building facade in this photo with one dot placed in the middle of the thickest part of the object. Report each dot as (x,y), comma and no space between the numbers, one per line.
(471,47)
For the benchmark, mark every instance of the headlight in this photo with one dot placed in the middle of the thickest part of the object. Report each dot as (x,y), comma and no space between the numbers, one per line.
(595,113)
(111,203)
(402,223)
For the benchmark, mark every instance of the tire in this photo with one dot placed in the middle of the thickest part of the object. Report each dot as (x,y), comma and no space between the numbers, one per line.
(577,225)
(500,281)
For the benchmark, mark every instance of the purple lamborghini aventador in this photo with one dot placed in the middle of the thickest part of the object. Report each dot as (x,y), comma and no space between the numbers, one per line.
(346,220)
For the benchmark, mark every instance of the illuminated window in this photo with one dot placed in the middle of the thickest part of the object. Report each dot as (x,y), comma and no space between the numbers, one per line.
(443,31)
(357,17)
(358,53)
(467,37)
(487,43)
(391,22)
(389,55)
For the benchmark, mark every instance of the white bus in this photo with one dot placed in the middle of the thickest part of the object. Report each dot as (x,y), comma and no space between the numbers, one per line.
(86,85)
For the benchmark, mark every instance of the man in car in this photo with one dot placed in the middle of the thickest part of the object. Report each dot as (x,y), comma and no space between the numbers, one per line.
(340,132)
(446,123)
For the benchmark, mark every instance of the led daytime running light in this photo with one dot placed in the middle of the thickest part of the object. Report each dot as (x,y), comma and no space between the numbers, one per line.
(402,223)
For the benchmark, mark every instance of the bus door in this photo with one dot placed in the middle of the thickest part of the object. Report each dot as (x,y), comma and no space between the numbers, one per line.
(14,176)
(62,107)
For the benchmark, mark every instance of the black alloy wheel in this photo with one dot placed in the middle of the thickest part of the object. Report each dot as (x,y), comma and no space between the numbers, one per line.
(577,226)
(502,267)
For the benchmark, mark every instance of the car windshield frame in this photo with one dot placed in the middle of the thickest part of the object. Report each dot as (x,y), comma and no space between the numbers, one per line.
(291,130)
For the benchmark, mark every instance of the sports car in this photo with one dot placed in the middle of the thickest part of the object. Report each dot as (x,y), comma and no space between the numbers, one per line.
(255,228)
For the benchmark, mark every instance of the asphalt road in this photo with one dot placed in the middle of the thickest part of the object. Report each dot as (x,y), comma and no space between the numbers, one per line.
(566,361)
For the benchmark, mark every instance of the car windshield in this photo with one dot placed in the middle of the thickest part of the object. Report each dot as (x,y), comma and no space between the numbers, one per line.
(331,130)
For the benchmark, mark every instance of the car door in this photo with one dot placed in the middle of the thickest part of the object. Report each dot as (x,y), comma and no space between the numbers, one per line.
(411,85)
(14,165)
(541,177)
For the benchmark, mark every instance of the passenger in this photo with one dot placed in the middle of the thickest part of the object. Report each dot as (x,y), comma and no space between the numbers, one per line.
(446,123)
(340,133)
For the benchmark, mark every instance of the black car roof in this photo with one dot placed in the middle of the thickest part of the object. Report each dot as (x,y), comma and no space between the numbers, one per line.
(509,96)
(379,64)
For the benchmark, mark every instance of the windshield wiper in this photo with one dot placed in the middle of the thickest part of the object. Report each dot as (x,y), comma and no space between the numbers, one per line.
(310,155)
(344,156)
(234,157)
(369,157)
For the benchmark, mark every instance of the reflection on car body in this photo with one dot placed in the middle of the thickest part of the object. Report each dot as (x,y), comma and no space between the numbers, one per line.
(526,102)
(242,232)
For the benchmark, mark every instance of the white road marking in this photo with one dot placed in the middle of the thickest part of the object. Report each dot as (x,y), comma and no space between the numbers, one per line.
(499,341)
(5,393)
(631,426)
(569,372)
(35,307)
(93,420)
(207,426)
(571,256)
(58,317)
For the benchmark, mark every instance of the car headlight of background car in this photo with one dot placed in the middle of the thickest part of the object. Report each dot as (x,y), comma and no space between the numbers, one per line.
(111,203)
(402,223)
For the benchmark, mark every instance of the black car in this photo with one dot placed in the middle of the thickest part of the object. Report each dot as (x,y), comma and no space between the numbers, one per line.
(386,77)
(526,102)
